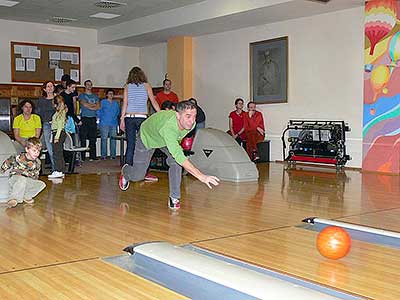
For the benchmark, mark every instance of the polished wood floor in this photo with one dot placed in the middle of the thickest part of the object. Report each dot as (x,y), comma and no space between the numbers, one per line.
(52,250)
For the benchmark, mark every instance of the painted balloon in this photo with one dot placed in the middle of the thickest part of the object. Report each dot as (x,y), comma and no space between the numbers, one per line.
(394,50)
(380,18)
(379,78)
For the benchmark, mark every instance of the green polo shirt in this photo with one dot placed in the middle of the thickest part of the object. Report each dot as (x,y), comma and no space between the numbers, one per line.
(161,130)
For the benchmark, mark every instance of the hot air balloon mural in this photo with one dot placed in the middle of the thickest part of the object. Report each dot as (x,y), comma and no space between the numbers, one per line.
(394,51)
(381,111)
(380,18)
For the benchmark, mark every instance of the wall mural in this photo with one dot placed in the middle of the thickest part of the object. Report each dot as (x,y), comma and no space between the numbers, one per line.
(381,122)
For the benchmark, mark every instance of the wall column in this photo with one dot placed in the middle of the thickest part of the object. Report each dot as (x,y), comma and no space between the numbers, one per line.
(180,66)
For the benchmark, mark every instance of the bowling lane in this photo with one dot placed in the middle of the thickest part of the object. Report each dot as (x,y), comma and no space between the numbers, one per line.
(387,219)
(293,251)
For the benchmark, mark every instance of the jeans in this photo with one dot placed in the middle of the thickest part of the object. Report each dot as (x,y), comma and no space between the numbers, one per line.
(105,133)
(141,162)
(132,126)
(47,141)
(59,152)
(88,131)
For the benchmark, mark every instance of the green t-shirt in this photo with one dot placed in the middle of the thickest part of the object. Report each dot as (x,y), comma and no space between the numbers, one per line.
(161,130)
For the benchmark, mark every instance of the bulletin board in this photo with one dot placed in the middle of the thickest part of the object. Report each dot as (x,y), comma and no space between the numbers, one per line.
(37,63)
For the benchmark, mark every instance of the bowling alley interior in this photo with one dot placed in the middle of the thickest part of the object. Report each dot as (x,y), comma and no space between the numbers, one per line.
(199,149)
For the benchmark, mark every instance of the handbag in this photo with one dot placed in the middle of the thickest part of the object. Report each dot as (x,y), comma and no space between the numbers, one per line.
(70,125)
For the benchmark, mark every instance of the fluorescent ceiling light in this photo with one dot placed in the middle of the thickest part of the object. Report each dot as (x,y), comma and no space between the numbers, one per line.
(8,3)
(104,16)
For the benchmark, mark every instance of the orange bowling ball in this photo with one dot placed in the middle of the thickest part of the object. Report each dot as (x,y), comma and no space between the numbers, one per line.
(333,242)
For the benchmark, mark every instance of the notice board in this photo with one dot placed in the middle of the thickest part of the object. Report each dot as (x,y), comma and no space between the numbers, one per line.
(37,63)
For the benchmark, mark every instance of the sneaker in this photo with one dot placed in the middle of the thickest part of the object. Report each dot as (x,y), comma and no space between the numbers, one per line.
(12,203)
(174,203)
(29,201)
(56,180)
(56,174)
(150,177)
(123,182)
(103,158)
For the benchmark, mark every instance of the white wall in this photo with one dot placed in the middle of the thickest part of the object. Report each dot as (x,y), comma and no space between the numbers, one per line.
(153,60)
(106,65)
(325,74)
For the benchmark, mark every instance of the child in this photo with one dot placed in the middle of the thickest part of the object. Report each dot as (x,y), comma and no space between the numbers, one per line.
(57,127)
(24,174)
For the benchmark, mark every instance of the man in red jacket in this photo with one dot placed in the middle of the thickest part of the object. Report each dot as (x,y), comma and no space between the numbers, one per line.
(254,130)
(166,94)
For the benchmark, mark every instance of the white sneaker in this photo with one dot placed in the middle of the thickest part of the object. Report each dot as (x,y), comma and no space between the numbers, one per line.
(56,174)
(56,180)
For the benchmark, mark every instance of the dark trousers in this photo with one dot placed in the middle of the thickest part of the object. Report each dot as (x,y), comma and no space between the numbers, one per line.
(141,161)
(88,131)
(58,152)
(132,126)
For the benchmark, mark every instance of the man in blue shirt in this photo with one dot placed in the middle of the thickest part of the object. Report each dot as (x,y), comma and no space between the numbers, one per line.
(89,103)
(109,117)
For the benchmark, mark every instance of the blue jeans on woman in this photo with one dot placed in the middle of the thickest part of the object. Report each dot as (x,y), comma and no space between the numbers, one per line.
(105,133)
(47,141)
(132,126)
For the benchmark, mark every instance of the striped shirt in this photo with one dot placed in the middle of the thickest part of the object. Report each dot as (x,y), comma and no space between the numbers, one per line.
(137,98)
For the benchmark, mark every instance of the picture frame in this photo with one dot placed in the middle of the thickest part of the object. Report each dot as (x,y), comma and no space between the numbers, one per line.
(269,71)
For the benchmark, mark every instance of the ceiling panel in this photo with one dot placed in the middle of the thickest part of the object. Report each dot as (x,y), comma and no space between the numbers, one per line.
(41,11)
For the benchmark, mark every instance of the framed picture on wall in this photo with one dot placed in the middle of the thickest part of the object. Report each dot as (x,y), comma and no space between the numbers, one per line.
(269,71)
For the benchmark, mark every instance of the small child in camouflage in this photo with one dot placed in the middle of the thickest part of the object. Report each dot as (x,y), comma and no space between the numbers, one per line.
(24,174)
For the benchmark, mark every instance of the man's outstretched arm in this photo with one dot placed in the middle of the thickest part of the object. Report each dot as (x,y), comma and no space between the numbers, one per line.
(207,179)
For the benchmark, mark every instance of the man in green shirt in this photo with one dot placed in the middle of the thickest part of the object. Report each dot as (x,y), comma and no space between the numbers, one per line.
(165,130)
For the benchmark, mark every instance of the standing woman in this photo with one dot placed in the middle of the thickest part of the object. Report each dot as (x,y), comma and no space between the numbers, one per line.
(236,122)
(45,109)
(134,108)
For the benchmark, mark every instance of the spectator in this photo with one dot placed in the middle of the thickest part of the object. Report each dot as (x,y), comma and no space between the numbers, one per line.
(57,126)
(69,95)
(254,130)
(45,109)
(26,124)
(200,117)
(89,104)
(134,108)
(108,115)
(168,105)
(166,94)
(236,122)
(24,174)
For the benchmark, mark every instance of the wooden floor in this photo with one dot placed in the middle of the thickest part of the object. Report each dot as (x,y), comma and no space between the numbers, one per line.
(52,250)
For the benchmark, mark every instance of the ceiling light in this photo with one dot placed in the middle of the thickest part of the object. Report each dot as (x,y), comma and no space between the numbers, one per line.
(8,3)
(104,16)
(62,20)
(108,4)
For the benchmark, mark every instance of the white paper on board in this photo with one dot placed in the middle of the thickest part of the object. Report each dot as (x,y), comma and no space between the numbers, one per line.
(31,64)
(55,55)
(75,75)
(20,64)
(58,73)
